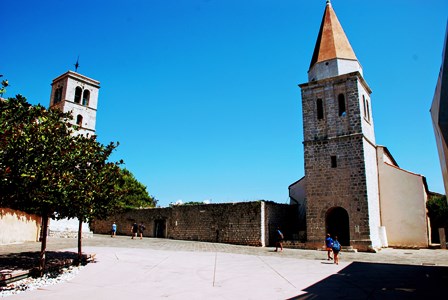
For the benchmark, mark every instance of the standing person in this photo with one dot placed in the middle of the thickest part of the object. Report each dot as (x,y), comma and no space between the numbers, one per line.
(114,230)
(141,228)
(279,240)
(134,230)
(336,248)
(329,246)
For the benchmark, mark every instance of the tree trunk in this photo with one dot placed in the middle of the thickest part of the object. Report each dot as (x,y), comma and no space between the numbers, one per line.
(43,246)
(80,242)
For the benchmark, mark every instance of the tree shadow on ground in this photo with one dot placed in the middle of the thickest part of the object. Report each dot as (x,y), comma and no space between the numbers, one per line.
(381,281)
(30,260)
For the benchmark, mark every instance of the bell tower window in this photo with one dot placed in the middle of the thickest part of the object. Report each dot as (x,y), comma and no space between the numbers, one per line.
(320,109)
(57,95)
(86,98)
(78,93)
(334,162)
(341,103)
(366,108)
(79,120)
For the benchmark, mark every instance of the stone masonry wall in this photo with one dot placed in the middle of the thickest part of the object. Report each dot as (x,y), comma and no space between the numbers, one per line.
(285,217)
(233,223)
(340,136)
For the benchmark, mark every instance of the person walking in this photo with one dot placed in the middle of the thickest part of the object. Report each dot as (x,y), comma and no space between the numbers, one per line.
(336,248)
(114,230)
(279,240)
(134,230)
(329,246)
(141,229)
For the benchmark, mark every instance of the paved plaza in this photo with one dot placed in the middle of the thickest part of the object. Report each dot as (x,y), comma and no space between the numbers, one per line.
(168,269)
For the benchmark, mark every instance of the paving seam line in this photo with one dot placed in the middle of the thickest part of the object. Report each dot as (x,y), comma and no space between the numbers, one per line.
(214,269)
(259,257)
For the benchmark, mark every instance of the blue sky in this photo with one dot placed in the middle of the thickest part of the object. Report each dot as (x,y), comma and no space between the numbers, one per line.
(202,94)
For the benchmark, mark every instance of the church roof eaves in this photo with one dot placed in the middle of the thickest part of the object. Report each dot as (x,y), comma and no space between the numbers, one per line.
(389,154)
(297,181)
(342,77)
(78,76)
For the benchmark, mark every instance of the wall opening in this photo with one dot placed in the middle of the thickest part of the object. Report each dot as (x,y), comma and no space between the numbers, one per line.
(79,120)
(57,95)
(78,93)
(320,109)
(337,224)
(160,228)
(86,98)
(341,104)
(334,161)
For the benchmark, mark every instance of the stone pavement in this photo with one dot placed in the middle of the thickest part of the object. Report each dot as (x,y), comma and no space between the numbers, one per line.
(162,268)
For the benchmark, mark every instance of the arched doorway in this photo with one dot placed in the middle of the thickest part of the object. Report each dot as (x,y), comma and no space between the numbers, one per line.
(337,223)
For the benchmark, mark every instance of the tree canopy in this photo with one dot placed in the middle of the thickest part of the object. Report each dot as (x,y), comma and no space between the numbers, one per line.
(135,194)
(438,211)
(48,170)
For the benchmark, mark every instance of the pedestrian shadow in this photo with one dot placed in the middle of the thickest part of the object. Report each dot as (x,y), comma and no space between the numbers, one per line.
(361,280)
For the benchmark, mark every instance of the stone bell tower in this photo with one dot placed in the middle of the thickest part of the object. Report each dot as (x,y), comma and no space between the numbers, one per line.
(79,94)
(339,141)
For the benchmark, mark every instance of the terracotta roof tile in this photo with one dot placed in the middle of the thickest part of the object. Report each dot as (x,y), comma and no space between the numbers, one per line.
(331,42)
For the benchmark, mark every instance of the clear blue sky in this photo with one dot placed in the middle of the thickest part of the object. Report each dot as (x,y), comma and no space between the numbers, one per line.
(202,94)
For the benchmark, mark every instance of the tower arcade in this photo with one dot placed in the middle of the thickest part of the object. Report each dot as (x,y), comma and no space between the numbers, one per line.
(79,94)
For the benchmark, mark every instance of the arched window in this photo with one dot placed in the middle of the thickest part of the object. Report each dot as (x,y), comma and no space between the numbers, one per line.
(78,93)
(57,95)
(364,105)
(368,109)
(86,98)
(320,109)
(341,102)
(79,120)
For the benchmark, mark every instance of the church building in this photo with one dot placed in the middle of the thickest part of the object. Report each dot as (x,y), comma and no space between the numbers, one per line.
(352,188)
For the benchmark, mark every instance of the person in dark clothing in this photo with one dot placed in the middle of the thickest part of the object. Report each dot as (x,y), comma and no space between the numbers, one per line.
(134,230)
(279,240)
(141,229)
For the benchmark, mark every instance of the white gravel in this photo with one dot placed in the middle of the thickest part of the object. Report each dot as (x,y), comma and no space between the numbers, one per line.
(30,283)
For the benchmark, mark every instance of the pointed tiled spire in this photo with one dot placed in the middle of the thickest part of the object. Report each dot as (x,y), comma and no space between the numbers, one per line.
(331,42)
(333,55)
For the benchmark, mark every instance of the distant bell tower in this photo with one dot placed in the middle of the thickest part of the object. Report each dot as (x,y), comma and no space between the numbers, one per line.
(339,144)
(76,93)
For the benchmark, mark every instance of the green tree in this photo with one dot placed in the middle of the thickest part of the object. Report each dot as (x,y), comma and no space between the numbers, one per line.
(134,192)
(48,171)
(93,185)
(438,211)
(35,160)
(4,84)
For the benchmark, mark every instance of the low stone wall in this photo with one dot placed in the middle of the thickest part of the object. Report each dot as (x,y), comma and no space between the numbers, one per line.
(17,226)
(233,223)
(68,228)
